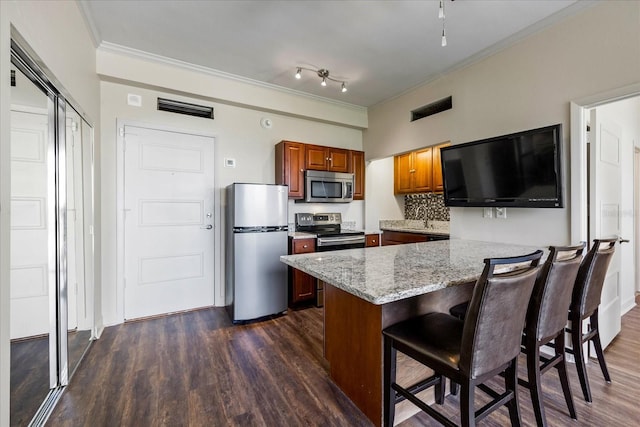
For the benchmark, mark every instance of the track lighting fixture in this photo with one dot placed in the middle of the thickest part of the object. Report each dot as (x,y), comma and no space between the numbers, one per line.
(324,75)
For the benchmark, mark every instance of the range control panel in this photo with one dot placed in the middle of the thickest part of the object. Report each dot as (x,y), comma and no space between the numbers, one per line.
(309,219)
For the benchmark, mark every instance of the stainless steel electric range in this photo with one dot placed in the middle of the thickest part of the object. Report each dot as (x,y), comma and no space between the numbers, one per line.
(329,237)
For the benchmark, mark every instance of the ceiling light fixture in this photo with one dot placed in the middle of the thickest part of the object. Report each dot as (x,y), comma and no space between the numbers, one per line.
(324,75)
(442,16)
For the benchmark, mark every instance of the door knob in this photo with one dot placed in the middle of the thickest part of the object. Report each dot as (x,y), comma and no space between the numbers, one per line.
(621,240)
(207,227)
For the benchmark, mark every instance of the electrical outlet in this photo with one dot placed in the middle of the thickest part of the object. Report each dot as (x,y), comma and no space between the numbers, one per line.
(487,213)
(501,213)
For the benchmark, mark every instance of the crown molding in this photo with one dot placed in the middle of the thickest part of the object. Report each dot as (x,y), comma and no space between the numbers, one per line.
(152,57)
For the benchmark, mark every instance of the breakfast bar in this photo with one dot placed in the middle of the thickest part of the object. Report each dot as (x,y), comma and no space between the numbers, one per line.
(369,289)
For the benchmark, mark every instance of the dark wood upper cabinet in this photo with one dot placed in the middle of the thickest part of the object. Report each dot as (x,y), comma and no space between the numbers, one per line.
(293,158)
(331,159)
(357,167)
(290,166)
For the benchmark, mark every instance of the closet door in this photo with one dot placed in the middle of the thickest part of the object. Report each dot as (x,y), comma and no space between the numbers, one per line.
(33,252)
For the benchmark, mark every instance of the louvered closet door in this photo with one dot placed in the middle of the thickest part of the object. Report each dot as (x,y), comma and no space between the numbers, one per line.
(168,247)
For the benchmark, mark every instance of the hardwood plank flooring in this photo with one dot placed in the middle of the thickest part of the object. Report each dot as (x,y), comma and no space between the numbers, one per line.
(30,372)
(197,369)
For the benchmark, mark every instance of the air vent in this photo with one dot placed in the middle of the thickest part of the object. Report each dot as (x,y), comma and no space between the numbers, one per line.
(13,77)
(431,109)
(185,108)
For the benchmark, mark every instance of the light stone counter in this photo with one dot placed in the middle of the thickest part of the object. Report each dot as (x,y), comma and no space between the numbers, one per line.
(439,228)
(385,274)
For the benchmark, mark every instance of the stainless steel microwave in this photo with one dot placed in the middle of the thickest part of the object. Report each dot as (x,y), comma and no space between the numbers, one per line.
(328,187)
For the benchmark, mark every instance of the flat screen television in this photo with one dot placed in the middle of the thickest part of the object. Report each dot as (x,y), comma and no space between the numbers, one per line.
(522,169)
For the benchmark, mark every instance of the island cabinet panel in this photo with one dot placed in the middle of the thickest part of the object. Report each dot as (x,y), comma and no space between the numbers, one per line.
(302,286)
(290,166)
(357,167)
(372,240)
(401,238)
(353,342)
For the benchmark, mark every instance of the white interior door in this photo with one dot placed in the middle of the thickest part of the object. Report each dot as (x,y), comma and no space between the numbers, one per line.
(605,174)
(168,225)
(29,225)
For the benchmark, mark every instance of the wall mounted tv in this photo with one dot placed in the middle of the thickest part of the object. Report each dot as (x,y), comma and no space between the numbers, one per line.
(518,170)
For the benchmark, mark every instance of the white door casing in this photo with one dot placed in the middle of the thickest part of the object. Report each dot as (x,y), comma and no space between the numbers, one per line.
(605,213)
(168,221)
(29,224)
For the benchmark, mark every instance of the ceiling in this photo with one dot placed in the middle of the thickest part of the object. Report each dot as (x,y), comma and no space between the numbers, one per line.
(379,48)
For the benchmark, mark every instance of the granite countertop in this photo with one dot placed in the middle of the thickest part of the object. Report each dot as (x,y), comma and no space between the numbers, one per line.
(440,228)
(301,235)
(390,273)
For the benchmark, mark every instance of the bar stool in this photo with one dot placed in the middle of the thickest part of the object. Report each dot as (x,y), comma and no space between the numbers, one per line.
(471,351)
(584,304)
(546,321)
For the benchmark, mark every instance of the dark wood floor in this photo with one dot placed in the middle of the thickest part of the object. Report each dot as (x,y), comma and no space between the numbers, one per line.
(196,369)
(30,372)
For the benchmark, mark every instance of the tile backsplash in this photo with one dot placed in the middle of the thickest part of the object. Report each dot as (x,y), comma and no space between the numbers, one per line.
(428,206)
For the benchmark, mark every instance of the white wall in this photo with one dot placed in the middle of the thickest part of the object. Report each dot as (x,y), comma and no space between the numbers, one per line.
(57,34)
(238,135)
(381,203)
(526,86)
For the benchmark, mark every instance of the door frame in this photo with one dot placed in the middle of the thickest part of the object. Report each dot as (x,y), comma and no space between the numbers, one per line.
(578,139)
(120,274)
(578,161)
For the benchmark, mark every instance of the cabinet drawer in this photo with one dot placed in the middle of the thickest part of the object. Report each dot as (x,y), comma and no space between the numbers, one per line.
(303,246)
(372,240)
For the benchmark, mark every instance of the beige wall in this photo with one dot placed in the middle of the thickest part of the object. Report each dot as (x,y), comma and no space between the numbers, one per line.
(526,86)
(238,135)
(57,34)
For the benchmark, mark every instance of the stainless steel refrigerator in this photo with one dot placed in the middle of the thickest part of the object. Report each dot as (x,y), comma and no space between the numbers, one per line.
(256,236)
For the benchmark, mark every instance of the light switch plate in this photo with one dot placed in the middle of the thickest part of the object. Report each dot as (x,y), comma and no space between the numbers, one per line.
(229,163)
(134,100)
(501,213)
(487,213)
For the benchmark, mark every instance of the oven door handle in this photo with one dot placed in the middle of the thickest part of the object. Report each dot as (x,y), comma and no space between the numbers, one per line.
(333,241)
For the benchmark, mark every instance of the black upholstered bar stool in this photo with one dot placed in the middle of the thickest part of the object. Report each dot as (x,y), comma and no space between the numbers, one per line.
(584,304)
(546,321)
(470,352)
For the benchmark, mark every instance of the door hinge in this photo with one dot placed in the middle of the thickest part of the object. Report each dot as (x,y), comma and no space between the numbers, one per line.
(121,131)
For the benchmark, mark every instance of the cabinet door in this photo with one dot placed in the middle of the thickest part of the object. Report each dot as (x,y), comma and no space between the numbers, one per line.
(402,173)
(423,171)
(290,167)
(338,160)
(438,183)
(317,157)
(357,167)
(401,238)
(302,286)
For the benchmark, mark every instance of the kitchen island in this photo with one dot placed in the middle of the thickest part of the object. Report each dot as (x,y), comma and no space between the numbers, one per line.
(369,289)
